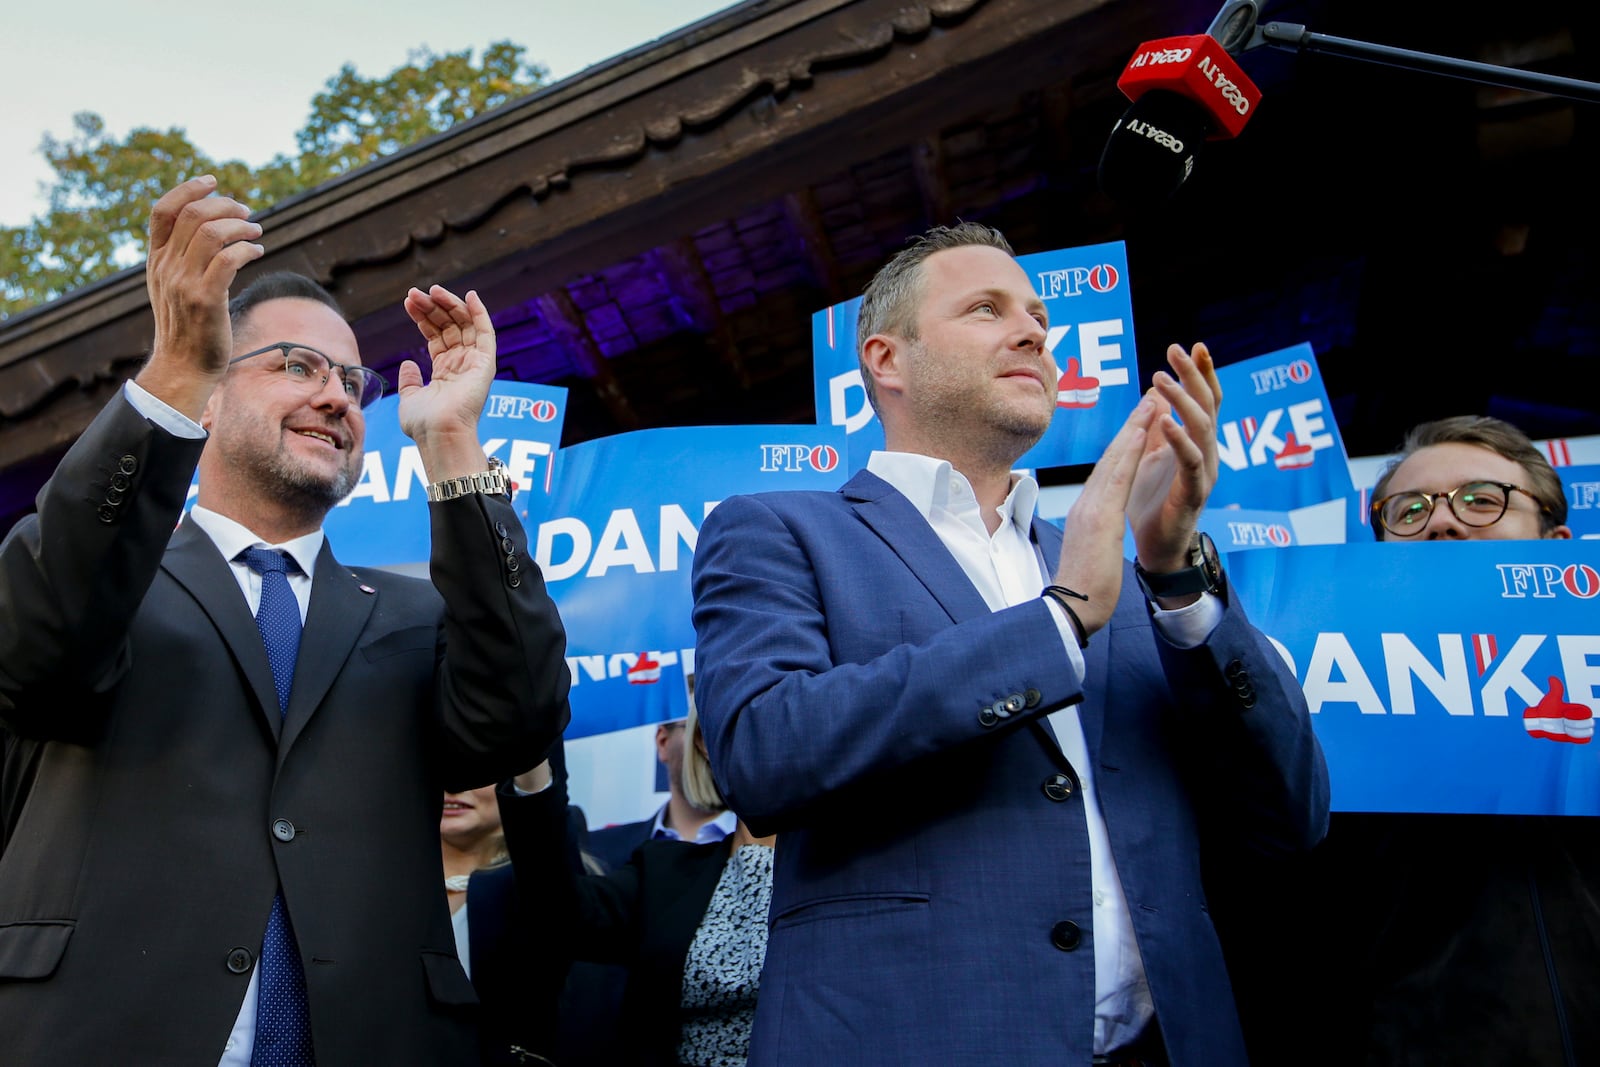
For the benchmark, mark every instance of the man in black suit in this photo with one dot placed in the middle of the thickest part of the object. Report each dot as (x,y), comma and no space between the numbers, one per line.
(227,844)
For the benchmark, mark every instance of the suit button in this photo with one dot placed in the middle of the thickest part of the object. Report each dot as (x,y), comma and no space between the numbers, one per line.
(514,581)
(1065,935)
(512,565)
(987,717)
(508,546)
(1233,669)
(500,528)
(107,513)
(119,482)
(113,496)
(1013,702)
(1031,697)
(239,960)
(127,464)
(1058,787)
(283,829)
(1247,698)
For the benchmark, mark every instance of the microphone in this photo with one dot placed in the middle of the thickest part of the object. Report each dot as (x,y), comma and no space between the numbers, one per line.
(1185,91)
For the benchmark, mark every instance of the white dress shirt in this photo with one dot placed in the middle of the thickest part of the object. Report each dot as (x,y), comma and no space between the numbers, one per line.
(1007,569)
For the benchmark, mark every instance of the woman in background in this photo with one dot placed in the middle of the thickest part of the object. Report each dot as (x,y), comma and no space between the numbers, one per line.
(688,921)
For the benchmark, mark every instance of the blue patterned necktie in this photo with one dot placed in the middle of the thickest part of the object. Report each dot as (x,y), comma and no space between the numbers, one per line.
(283,1021)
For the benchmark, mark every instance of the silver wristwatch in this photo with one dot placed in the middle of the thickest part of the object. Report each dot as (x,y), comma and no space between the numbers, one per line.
(492,482)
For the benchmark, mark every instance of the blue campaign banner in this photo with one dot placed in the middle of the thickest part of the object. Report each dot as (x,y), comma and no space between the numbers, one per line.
(384,522)
(618,540)
(1278,442)
(1235,530)
(1582,484)
(1238,529)
(1091,337)
(1446,676)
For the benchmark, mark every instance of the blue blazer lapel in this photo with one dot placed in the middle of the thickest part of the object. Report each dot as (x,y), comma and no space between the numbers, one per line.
(340,607)
(893,518)
(193,562)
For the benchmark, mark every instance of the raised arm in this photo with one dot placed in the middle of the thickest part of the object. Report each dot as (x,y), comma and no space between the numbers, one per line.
(503,682)
(72,575)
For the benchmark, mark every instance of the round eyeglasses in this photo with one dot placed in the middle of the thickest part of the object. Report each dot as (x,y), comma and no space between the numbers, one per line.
(1474,503)
(311,369)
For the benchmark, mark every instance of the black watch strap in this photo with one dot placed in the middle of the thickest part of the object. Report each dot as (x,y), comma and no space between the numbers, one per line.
(1204,575)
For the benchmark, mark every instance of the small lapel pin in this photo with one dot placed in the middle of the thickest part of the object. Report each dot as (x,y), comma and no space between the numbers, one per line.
(363,586)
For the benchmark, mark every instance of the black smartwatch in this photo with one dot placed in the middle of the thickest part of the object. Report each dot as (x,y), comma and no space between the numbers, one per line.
(1203,575)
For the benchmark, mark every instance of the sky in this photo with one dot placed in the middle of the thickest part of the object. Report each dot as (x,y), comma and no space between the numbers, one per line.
(239,78)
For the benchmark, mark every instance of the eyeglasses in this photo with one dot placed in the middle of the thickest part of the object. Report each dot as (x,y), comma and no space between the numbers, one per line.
(1474,503)
(311,369)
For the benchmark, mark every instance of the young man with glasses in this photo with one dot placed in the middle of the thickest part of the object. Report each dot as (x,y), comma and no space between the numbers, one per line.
(1440,939)
(226,848)
(1471,478)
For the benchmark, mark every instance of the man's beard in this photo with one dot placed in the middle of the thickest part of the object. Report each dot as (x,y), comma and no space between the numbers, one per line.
(301,489)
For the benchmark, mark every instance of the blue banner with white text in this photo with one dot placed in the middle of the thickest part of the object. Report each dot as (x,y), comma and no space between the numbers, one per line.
(1446,676)
(1086,293)
(1277,441)
(618,540)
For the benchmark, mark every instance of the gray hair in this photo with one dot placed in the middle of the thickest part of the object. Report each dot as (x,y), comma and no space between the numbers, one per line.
(889,302)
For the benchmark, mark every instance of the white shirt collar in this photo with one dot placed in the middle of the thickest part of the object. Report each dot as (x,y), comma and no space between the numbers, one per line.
(931,484)
(232,538)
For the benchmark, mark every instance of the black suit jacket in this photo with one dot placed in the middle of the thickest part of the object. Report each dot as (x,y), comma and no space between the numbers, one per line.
(166,803)
(644,915)
(614,844)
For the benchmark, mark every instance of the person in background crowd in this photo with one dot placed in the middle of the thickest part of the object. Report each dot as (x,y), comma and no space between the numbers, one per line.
(688,921)
(1437,940)
(591,1029)
(676,820)
(992,752)
(227,848)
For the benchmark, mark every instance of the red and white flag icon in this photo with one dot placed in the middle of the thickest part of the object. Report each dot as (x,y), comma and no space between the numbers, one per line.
(1554,718)
(1295,456)
(646,672)
(1075,391)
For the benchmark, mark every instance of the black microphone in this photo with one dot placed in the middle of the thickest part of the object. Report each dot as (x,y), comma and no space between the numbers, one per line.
(1185,91)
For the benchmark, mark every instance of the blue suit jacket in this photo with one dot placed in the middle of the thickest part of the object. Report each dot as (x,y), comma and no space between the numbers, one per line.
(931,898)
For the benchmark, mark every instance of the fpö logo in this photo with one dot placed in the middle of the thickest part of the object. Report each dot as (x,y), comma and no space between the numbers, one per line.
(1072,281)
(521,407)
(1271,379)
(793,458)
(1259,535)
(1546,581)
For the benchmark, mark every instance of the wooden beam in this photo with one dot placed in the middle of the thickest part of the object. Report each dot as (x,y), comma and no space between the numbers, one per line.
(565,321)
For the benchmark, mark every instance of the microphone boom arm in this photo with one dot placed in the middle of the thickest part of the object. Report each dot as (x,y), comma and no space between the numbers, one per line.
(1291,37)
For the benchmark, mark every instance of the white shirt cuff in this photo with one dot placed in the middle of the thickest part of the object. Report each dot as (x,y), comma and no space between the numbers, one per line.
(1190,625)
(161,413)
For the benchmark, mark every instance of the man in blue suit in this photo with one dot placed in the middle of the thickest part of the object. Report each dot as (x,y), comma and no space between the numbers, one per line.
(993,762)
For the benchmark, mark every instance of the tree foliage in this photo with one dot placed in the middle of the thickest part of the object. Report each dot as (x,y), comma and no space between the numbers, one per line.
(102,188)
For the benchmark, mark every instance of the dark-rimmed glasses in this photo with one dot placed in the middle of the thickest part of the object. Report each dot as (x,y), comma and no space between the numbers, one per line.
(311,369)
(1477,503)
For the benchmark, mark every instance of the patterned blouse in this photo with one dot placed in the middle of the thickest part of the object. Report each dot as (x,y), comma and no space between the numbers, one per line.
(722,972)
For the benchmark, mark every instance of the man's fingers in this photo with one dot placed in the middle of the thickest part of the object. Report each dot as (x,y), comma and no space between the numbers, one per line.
(164,216)
(227,263)
(482,324)
(1208,371)
(195,227)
